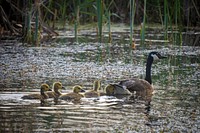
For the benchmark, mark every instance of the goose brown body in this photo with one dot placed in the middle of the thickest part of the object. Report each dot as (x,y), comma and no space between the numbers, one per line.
(137,85)
(41,96)
(57,86)
(95,91)
(75,95)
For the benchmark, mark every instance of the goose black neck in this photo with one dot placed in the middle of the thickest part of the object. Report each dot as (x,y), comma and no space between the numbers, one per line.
(148,69)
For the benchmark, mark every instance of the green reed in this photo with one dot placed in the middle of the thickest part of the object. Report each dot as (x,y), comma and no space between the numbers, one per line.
(160,12)
(172,19)
(78,12)
(63,12)
(142,34)
(178,36)
(27,23)
(48,11)
(36,38)
(99,5)
(132,16)
(76,15)
(166,13)
(32,35)
(27,28)
(109,27)
(107,18)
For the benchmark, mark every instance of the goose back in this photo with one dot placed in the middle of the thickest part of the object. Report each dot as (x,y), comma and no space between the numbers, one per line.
(135,85)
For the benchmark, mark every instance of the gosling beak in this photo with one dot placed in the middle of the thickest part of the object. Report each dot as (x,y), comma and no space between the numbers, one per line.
(63,88)
(82,90)
(50,90)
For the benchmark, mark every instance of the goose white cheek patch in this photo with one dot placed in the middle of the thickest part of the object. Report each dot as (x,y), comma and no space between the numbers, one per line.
(155,57)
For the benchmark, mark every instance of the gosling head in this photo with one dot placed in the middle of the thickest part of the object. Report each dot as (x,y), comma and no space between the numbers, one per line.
(77,89)
(45,87)
(109,89)
(155,56)
(57,86)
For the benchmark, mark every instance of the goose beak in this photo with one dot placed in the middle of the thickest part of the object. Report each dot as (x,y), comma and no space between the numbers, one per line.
(161,56)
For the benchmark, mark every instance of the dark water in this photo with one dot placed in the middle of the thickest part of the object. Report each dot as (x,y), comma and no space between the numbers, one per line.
(174,106)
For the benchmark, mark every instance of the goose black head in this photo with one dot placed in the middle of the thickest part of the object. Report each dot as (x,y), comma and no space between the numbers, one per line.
(156,56)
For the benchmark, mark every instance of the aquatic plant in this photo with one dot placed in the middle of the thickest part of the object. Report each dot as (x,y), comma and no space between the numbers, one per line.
(142,33)
(46,14)
(132,16)
(99,5)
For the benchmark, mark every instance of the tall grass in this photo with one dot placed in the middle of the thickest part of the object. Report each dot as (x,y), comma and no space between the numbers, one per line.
(48,12)
(109,28)
(172,21)
(27,26)
(108,14)
(166,13)
(36,38)
(64,13)
(76,15)
(99,5)
(77,12)
(160,12)
(143,25)
(132,16)
(178,36)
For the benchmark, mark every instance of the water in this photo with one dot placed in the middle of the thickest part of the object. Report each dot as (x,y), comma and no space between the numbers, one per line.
(174,106)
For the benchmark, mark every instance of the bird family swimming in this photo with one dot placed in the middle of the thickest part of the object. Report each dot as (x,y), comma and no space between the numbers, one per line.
(142,87)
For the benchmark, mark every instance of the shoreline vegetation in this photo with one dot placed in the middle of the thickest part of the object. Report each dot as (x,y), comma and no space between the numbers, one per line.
(32,20)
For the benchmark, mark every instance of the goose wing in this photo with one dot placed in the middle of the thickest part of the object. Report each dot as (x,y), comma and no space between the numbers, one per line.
(136,85)
(121,90)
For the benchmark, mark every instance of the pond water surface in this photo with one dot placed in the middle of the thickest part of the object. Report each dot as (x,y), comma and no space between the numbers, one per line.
(174,106)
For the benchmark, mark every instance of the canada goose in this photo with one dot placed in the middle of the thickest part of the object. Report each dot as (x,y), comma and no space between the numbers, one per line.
(143,86)
(95,91)
(42,95)
(75,95)
(57,86)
